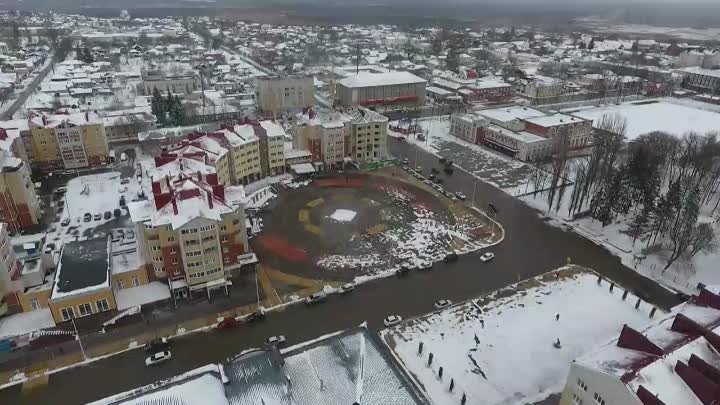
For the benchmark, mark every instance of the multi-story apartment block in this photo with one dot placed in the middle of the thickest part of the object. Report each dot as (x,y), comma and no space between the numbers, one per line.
(702,80)
(283,94)
(368,135)
(193,232)
(391,89)
(10,275)
(272,147)
(19,204)
(204,149)
(675,360)
(176,84)
(325,133)
(64,141)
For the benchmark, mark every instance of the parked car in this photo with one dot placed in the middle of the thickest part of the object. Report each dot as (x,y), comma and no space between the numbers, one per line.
(117,212)
(125,181)
(315,298)
(255,316)
(346,288)
(107,215)
(228,322)
(65,222)
(460,196)
(487,256)
(275,340)
(418,169)
(406,161)
(157,345)
(392,320)
(157,358)
(122,200)
(431,177)
(402,271)
(442,304)
(97,217)
(87,217)
(443,160)
(448,170)
(450,257)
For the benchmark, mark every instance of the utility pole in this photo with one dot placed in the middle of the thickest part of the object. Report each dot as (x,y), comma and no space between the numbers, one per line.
(257,287)
(77,336)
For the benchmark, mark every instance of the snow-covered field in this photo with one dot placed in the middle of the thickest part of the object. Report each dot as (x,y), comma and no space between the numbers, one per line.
(646,116)
(500,348)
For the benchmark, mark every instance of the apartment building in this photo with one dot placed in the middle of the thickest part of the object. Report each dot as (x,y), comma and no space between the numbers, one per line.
(674,360)
(272,147)
(19,204)
(67,141)
(325,133)
(390,89)
(203,149)
(283,94)
(193,232)
(701,80)
(175,84)
(11,284)
(368,135)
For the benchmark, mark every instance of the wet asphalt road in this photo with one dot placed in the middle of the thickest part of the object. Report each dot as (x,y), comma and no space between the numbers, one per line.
(531,247)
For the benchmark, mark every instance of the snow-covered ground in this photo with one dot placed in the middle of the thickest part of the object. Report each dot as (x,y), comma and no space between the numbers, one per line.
(341,215)
(26,322)
(500,348)
(260,198)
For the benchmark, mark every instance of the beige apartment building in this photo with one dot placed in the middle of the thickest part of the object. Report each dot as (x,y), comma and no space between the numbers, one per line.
(19,204)
(10,275)
(200,150)
(283,94)
(325,133)
(68,141)
(193,232)
(368,135)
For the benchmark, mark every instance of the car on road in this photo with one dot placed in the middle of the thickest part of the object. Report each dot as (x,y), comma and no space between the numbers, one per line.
(406,161)
(315,298)
(158,358)
(275,340)
(65,222)
(107,215)
(431,177)
(346,288)
(227,322)
(448,170)
(87,217)
(255,316)
(418,169)
(392,320)
(122,200)
(157,345)
(440,304)
(117,212)
(443,160)
(460,196)
(450,257)
(487,256)
(402,271)
(97,217)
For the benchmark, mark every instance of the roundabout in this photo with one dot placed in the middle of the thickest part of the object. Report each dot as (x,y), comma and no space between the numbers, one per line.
(350,228)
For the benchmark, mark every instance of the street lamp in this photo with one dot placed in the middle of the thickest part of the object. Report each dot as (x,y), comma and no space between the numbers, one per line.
(77,336)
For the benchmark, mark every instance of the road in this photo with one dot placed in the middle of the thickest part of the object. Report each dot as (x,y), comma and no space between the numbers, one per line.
(20,100)
(531,247)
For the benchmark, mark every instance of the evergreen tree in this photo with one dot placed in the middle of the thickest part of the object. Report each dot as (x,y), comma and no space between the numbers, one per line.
(157,106)
(591,45)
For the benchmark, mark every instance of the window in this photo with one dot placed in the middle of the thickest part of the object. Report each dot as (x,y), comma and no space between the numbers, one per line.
(35,304)
(576,399)
(173,250)
(102,305)
(155,248)
(120,284)
(600,400)
(135,281)
(67,313)
(224,238)
(84,309)
(582,384)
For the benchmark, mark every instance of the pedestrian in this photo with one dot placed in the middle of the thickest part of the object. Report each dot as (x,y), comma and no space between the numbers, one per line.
(557,317)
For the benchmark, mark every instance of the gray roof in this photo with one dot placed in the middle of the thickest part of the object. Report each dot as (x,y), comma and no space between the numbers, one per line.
(341,369)
(82,265)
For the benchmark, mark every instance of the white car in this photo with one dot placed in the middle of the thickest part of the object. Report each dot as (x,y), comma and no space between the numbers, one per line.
(442,304)
(486,257)
(315,298)
(460,196)
(392,320)
(347,288)
(275,340)
(157,358)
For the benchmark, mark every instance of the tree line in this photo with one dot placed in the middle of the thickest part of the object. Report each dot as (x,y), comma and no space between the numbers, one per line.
(168,110)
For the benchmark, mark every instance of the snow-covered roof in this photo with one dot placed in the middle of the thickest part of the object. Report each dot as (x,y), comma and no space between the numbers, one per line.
(55,120)
(511,113)
(324,117)
(179,166)
(365,79)
(84,267)
(140,295)
(553,120)
(272,128)
(650,357)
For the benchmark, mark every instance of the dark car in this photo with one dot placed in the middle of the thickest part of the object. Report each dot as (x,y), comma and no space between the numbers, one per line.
(443,160)
(87,217)
(403,271)
(434,171)
(117,212)
(450,257)
(255,316)
(122,200)
(107,215)
(448,170)
(157,345)
(97,217)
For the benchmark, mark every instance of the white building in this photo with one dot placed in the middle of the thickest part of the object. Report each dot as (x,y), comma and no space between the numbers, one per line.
(676,360)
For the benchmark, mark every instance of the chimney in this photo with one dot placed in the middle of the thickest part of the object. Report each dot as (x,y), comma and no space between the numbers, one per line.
(44,120)
(219,191)
(199,175)
(210,199)
(175,209)
(156,187)
(3,133)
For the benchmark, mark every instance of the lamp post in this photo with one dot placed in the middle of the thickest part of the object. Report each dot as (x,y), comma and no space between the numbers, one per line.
(77,336)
